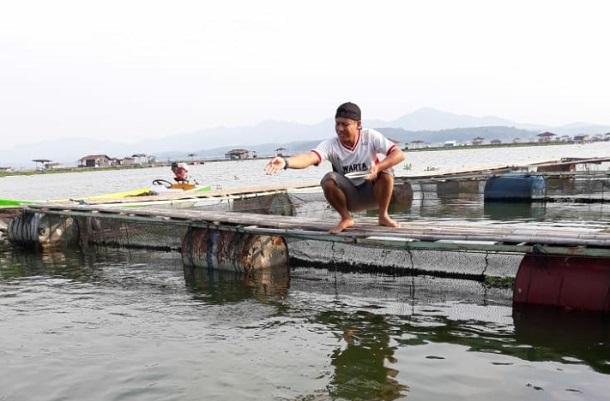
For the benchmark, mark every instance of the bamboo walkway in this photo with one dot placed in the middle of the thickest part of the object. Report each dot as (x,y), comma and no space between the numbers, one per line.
(528,238)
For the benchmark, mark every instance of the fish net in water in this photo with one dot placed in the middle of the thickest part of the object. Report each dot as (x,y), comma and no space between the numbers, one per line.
(229,249)
(404,262)
(583,189)
(131,231)
(130,234)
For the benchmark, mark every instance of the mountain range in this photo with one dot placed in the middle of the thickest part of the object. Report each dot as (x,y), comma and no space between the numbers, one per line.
(426,124)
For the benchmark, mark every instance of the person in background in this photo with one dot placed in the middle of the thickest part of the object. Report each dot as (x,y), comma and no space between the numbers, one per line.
(354,151)
(180,171)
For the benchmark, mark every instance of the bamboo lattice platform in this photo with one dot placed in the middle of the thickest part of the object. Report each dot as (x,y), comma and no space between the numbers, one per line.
(529,238)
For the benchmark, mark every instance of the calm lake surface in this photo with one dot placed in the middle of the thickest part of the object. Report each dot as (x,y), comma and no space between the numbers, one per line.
(116,324)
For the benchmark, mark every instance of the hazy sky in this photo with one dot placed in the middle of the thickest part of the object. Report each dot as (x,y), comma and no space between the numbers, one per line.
(129,70)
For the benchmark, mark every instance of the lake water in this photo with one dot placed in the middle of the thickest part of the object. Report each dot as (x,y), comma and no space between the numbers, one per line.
(115,324)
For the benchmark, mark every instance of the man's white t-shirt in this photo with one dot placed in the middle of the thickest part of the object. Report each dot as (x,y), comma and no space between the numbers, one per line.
(360,157)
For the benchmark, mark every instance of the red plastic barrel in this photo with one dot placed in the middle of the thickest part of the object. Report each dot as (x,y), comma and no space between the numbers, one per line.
(570,282)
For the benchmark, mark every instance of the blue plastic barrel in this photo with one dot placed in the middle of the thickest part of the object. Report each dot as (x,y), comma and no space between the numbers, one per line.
(521,188)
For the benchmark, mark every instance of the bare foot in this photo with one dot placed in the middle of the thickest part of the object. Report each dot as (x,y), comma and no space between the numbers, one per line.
(343,224)
(388,222)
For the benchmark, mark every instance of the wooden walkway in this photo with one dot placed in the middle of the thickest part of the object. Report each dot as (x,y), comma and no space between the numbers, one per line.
(470,236)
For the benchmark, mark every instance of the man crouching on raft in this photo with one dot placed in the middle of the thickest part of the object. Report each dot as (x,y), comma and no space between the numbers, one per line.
(353,150)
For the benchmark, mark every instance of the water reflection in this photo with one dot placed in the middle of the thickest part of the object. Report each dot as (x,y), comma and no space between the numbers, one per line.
(18,263)
(220,287)
(103,267)
(364,361)
(539,335)
(567,337)
(363,328)
(503,211)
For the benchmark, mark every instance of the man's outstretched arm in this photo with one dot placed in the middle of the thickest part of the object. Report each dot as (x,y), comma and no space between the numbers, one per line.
(302,160)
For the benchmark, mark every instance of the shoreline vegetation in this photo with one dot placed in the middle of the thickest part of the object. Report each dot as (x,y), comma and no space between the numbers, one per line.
(222,159)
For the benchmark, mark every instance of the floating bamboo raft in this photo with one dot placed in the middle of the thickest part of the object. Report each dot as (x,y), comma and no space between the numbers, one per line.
(177,209)
(564,264)
(526,238)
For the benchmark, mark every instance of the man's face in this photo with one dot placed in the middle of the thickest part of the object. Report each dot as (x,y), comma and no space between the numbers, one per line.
(346,129)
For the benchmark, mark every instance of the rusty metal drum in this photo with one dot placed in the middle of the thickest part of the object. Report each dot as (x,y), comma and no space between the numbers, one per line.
(232,251)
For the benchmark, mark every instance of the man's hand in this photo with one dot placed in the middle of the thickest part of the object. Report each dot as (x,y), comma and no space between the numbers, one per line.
(276,164)
(373,171)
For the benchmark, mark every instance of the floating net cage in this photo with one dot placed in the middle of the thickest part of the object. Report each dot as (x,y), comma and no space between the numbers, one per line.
(143,269)
(458,197)
(398,262)
(584,188)
(235,252)
(579,188)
